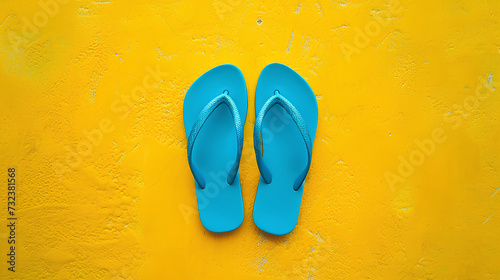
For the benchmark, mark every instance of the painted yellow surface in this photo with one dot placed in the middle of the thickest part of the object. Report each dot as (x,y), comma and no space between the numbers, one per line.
(405,173)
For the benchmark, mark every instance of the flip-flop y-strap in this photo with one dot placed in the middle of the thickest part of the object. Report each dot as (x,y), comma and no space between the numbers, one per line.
(225,99)
(278,99)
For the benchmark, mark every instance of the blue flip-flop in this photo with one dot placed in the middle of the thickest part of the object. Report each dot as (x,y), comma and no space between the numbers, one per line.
(215,142)
(283,141)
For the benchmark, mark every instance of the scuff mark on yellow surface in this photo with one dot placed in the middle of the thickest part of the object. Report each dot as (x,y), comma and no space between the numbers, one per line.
(57,258)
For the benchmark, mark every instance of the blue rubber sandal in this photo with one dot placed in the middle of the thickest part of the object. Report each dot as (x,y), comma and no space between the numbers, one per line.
(215,143)
(283,142)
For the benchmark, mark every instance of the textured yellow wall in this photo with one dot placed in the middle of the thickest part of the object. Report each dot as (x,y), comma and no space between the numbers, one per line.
(405,165)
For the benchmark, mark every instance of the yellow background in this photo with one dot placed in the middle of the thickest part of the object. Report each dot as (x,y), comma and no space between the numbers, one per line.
(388,75)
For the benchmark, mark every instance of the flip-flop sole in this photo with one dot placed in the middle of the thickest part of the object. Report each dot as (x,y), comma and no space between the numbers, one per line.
(220,205)
(277,205)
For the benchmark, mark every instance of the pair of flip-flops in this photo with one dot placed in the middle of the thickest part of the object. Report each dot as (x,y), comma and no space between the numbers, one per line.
(283,140)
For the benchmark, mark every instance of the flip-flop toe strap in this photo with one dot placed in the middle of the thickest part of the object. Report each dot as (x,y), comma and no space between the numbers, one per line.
(278,99)
(202,118)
